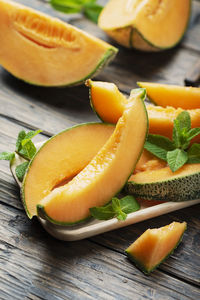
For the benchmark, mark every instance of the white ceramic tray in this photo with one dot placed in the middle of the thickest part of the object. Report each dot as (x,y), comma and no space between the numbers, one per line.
(94,227)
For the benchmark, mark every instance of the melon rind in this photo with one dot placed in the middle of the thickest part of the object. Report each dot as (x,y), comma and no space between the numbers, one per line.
(182,188)
(142,267)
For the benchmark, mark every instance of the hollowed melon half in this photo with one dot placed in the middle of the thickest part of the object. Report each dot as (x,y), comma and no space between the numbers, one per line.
(60,159)
(172,95)
(106,174)
(146,24)
(45,51)
(155,245)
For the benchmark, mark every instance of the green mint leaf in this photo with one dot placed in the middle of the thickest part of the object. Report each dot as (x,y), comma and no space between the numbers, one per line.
(28,150)
(67,6)
(194,154)
(184,120)
(29,136)
(176,159)
(129,204)
(182,126)
(103,212)
(92,12)
(21,136)
(118,210)
(21,170)
(193,132)
(159,145)
(7,156)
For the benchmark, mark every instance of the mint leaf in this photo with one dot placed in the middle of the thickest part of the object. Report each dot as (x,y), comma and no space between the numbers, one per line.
(184,120)
(193,132)
(182,126)
(21,170)
(176,159)
(118,210)
(159,145)
(28,150)
(29,136)
(92,12)
(21,136)
(7,156)
(103,212)
(194,154)
(129,204)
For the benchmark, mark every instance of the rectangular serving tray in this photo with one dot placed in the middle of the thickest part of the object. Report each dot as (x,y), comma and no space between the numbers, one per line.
(94,227)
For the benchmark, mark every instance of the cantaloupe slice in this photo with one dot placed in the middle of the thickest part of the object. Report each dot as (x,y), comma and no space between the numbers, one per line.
(60,159)
(45,51)
(108,103)
(148,25)
(97,183)
(172,95)
(155,245)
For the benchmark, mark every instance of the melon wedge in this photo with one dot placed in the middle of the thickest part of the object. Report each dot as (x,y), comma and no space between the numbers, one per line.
(148,25)
(45,51)
(164,185)
(97,183)
(172,95)
(60,159)
(155,245)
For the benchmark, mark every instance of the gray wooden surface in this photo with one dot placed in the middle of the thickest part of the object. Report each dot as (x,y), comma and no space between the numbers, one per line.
(33,265)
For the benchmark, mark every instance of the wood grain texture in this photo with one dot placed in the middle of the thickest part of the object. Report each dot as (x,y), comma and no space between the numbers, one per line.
(34,265)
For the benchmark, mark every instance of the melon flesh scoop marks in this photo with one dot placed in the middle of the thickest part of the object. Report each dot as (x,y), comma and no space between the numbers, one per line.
(106,174)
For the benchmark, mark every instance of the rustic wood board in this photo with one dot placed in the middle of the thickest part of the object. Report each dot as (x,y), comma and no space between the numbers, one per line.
(34,265)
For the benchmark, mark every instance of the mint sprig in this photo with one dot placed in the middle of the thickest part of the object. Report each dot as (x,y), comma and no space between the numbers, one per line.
(89,8)
(118,208)
(24,148)
(176,152)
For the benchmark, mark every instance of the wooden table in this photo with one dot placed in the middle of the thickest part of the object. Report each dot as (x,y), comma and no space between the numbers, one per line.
(33,265)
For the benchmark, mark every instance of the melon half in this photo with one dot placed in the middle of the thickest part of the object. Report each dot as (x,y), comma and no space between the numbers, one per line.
(45,51)
(148,25)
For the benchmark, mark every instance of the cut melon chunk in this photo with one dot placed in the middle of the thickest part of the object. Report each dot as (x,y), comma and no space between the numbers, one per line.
(148,25)
(155,245)
(97,183)
(172,95)
(164,185)
(60,159)
(45,51)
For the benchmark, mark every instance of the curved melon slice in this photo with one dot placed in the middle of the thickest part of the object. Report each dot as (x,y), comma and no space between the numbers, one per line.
(97,183)
(172,95)
(45,51)
(148,25)
(60,159)
(155,245)
(164,185)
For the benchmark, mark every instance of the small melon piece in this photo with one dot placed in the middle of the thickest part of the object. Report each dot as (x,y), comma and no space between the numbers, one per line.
(172,95)
(148,25)
(60,159)
(43,50)
(164,185)
(106,100)
(100,180)
(155,245)
(161,120)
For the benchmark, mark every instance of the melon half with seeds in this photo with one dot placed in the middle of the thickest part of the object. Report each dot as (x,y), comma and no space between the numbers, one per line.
(45,51)
(155,245)
(148,25)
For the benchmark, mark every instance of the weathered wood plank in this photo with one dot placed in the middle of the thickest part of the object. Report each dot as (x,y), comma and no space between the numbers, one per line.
(34,264)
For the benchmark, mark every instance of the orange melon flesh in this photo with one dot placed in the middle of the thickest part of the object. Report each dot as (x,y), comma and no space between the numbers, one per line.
(97,183)
(161,174)
(60,159)
(106,100)
(46,51)
(159,23)
(172,95)
(161,120)
(155,245)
